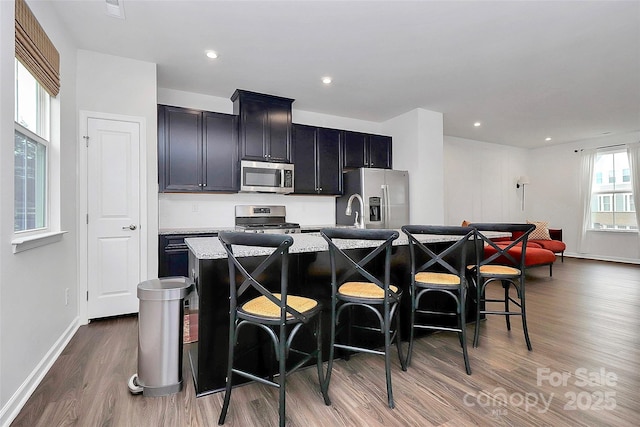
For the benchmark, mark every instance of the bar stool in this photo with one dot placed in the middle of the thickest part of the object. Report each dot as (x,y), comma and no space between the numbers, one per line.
(360,280)
(501,263)
(280,315)
(439,269)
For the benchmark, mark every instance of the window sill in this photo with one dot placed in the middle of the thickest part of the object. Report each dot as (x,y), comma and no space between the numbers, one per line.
(612,230)
(22,244)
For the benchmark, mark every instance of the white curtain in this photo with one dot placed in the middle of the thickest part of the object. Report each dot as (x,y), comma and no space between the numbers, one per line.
(633,152)
(586,179)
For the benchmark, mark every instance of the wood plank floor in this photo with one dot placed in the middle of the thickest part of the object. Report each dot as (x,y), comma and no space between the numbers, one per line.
(584,370)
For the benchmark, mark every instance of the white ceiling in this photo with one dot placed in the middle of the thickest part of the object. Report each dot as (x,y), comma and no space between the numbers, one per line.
(569,70)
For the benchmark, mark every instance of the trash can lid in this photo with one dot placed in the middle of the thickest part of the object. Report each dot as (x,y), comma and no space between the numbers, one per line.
(164,289)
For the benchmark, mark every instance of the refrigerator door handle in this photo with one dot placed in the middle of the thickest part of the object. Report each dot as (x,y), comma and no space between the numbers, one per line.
(386,212)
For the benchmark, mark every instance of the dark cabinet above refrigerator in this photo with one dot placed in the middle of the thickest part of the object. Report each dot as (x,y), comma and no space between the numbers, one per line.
(363,150)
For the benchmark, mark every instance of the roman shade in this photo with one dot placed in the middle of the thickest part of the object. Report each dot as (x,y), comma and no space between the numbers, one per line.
(35,50)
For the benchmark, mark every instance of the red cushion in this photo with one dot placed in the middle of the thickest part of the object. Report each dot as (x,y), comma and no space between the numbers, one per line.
(501,239)
(516,234)
(530,244)
(534,256)
(552,245)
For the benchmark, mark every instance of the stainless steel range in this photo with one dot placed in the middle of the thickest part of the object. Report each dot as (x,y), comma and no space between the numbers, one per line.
(264,219)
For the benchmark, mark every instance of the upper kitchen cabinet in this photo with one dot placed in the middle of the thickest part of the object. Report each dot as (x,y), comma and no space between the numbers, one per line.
(380,152)
(197,150)
(264,126)
(318,167)
(362,150)
(220,152)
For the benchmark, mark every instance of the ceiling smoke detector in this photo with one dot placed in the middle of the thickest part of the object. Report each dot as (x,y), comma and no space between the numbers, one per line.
(115,8)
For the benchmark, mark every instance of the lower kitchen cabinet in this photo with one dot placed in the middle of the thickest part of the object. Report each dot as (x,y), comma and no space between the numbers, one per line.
(173,254)
(317,158)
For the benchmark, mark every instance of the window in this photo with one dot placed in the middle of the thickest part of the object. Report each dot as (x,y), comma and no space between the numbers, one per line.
(31,142)
(612,204)
(598,177)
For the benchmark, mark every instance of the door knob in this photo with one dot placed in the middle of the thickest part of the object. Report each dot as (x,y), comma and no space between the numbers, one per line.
(131,227)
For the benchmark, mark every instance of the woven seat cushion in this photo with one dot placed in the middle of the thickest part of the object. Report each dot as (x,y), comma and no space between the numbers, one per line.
(262,306)
(364,290)
(534,256)
(499,269)
(433,278)
(551,245)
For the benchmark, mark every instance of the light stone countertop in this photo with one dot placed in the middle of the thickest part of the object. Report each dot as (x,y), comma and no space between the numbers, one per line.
(198,230)
(211,248)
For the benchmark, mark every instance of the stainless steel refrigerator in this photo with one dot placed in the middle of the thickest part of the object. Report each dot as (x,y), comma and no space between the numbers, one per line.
(385,194)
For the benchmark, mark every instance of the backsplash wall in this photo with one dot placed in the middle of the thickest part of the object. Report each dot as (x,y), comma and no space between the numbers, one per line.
(178,210)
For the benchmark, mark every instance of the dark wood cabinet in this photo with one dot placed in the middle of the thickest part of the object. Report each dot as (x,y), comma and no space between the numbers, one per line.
(220,152)
(173,254)
(379,151)
(264,126)
(354,149)
(179,148)
(318,165)
(197,150)
(362,150)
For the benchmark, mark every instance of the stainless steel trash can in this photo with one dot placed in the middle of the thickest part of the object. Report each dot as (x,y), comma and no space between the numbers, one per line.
(160,328)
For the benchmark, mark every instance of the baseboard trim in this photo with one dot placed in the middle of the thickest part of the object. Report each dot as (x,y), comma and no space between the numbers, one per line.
(603,258)
(12,408)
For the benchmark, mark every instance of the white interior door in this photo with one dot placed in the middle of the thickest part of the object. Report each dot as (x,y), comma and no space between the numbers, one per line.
(113,227)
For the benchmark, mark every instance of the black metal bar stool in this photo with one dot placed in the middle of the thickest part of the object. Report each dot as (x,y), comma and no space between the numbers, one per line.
(439,269)
(503,263)
(363,284)
(280,315)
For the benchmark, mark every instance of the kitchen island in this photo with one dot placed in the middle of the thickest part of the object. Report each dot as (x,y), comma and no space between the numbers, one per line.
(309,275)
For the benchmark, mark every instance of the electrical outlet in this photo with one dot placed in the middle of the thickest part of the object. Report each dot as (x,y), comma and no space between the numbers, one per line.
(194,207)
(66,296)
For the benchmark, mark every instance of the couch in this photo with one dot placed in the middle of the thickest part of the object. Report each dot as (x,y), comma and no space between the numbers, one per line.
(542,247)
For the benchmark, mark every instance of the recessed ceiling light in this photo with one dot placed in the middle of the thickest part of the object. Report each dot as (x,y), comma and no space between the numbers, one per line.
(211,54)
(477,124)
(548,138)
(326,80)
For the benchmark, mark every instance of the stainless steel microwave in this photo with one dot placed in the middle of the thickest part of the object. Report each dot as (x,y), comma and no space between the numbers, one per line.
(266,177)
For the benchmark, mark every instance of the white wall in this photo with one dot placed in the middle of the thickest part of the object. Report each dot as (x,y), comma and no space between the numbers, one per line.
(553,195)
(480,182)
(191,210)
(35,323)
(418,148)
(122,86)
(480,185)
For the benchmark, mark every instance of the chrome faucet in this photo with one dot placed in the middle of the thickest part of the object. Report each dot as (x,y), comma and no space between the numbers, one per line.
(359,222)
